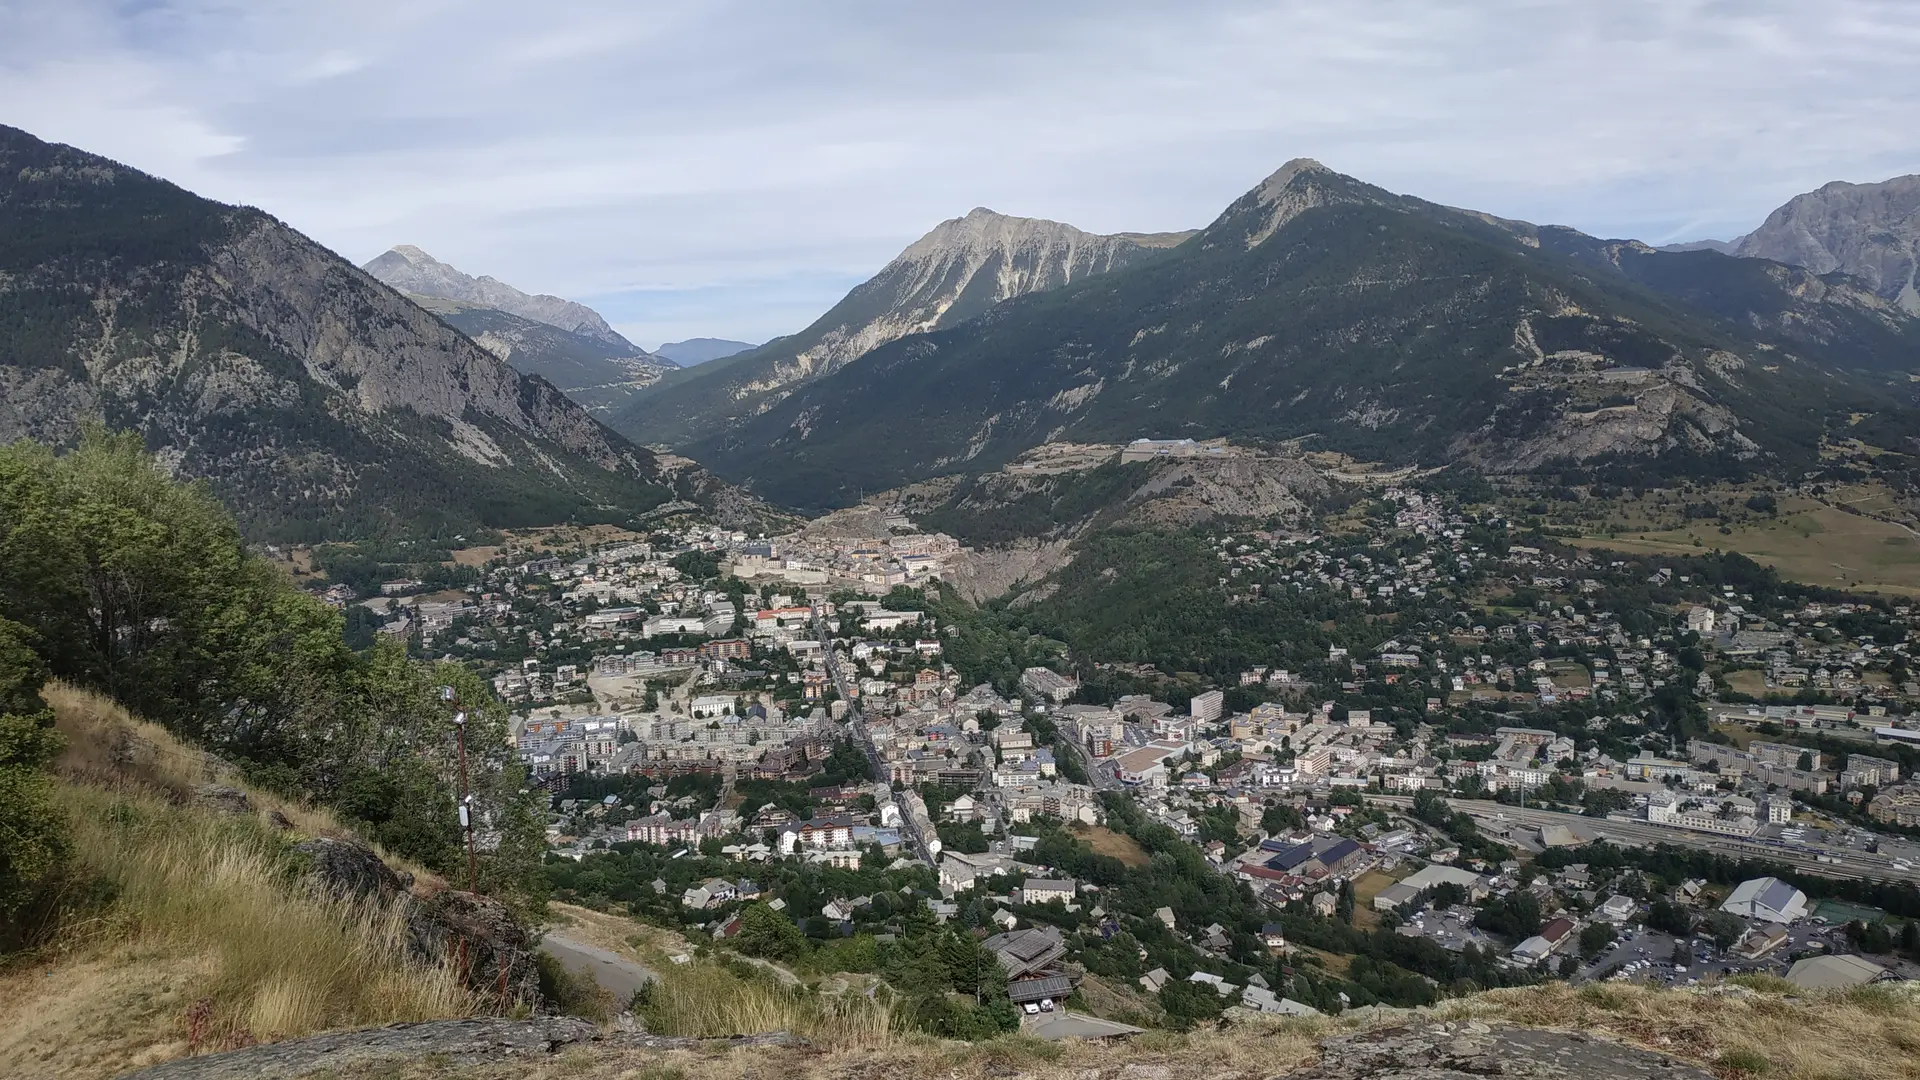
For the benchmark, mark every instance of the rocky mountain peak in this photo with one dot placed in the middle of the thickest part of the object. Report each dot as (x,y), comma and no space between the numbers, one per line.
(409,269)
(1870,231)
(1296,187)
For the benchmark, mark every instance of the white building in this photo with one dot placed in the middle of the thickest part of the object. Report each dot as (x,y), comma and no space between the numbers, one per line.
(1768,899)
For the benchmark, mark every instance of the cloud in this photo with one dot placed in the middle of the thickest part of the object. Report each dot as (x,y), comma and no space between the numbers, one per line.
(727,168)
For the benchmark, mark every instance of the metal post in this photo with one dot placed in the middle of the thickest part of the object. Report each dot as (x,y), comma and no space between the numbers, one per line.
(452,698)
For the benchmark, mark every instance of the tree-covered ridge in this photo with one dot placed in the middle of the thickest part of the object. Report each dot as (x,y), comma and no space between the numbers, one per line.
(1389,328)
(140,587)
(317,402)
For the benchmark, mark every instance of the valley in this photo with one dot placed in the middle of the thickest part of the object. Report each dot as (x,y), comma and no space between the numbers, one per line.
(1356,636)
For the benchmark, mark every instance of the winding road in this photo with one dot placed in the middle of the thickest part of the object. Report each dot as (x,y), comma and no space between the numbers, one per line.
(618,975)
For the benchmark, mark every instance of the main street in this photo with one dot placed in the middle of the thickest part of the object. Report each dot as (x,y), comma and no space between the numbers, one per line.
(1853,862)
(857,724)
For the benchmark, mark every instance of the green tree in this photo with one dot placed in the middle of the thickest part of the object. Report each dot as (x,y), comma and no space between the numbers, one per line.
(32,830)
(1724,927)
(1188,1003)
(766,933)
(1595,937)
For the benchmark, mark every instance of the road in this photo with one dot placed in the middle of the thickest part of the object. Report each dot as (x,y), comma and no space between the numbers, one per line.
(857,724)
(1854,863)
(618,975)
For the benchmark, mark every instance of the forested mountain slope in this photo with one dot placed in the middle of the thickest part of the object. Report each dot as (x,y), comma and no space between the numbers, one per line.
(955,272)
(1388,327)
(316,400)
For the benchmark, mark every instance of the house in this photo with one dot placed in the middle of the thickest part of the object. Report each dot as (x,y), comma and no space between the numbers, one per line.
(1153,980)
(709,893)
(1043,890)
(1616,909)
(1760,941)
(1324,904)
(1262,1000)
(1165,915)
(1552,936)
(1040,988)
(1023,952)
(1768,899)
(1273,936)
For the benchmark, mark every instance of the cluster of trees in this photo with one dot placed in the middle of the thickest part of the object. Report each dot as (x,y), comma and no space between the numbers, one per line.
(32,831)
(1674,864)
(134,585)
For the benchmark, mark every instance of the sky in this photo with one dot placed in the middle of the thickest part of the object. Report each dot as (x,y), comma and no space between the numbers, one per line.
(731,169)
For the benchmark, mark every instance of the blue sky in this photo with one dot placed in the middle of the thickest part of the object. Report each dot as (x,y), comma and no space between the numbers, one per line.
(730,169)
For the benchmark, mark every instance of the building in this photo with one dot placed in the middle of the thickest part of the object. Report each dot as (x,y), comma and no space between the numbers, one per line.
(1768,899)
(1833,972)
(1045,683)
(1043,890)
(1027,952)
(1207,707)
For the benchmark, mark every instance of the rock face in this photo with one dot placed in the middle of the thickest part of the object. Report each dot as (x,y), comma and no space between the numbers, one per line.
(315,400)
(411,270)
(602,377)
(448,1042)
(1870,231)
(479,933)
(959,270)
(1472,1049)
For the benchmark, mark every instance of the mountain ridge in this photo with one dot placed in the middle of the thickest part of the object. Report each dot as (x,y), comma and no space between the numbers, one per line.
(958,269)
(412,270)
(1388,326)
(699,350)
(317,401)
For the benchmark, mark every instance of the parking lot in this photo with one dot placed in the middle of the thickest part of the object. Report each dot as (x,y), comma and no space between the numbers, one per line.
(1646,956)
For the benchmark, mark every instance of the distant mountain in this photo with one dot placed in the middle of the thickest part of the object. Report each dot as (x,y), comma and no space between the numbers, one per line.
(409,269)
(1724,247)
(600,376)
(318,402)
(1870,231)
(959,270)
(1384,326)
(695,351)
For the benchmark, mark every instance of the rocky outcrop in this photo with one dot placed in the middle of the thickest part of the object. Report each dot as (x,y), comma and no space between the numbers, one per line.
(408,268)
(1868,231)
(1473,1049)
(350,870)
(482,938)
(447,1042)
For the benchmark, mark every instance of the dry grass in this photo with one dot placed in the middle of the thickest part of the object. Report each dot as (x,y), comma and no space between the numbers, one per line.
(1105,841)
(1809,541)
(713,998)
(187,927)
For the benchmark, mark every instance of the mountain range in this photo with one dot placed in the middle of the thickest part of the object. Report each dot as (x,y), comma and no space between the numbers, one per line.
(959,270)
(565,343)
(696,351)
(1867,231)
(1318,306)
(317,401)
